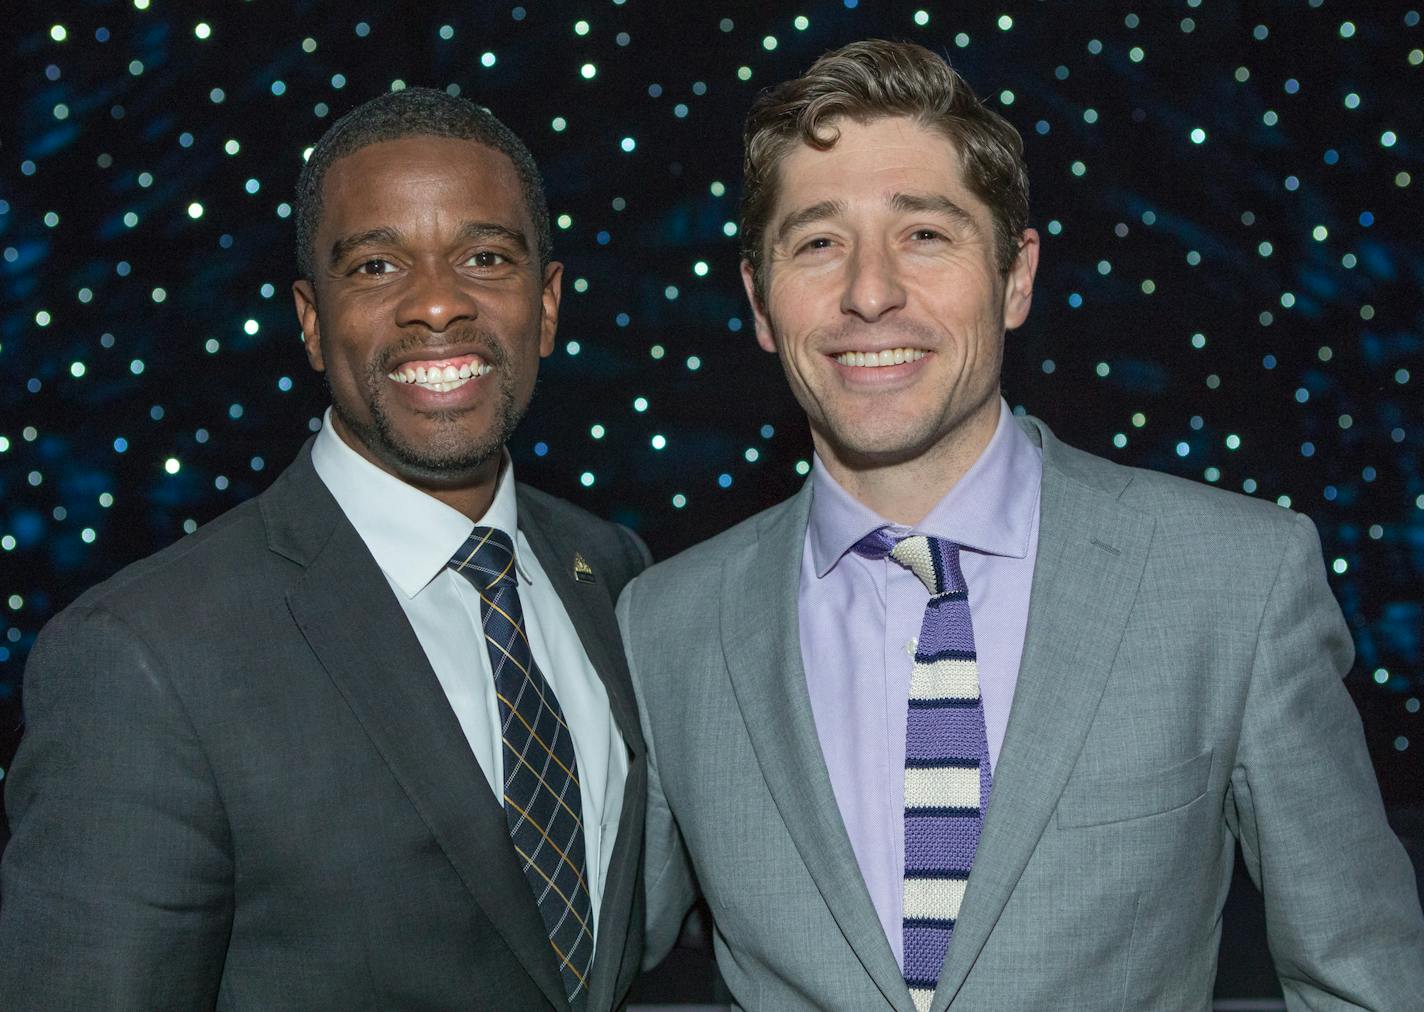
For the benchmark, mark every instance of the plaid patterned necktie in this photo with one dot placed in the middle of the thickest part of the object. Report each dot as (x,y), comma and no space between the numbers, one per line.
(947,775)
(542,804)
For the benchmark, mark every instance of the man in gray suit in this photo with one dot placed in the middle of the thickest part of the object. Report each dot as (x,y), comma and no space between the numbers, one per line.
(976,720)
(366,741)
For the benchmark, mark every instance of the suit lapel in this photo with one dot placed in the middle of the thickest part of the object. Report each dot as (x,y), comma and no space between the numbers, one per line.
(590,609)
(353,623)
(1091,555)
(761,641)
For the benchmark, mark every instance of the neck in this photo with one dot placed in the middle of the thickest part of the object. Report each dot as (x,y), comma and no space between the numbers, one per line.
(470,490)
(904,490)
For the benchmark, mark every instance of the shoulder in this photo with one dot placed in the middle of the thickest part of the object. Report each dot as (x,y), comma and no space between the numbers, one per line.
(607,543)
(266,538)
(209,587)
(1208,527)
(177,611)
(221,554)
(696,572)
(537,504)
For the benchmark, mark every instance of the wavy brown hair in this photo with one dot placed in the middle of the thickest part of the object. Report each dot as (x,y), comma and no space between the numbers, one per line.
(866,81)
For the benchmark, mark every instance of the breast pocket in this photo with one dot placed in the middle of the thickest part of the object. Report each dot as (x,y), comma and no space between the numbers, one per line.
(1096,801)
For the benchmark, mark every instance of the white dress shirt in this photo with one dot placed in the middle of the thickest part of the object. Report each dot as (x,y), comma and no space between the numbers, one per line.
(412,536)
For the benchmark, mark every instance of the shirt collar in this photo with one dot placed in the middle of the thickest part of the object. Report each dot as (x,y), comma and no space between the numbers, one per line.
(991,509)
(412,535)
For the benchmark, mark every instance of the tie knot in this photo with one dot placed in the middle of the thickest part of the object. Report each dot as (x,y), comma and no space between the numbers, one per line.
(934,560)
(486,558)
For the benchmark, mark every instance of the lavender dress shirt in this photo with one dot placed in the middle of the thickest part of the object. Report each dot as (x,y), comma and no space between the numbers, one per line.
(859,619)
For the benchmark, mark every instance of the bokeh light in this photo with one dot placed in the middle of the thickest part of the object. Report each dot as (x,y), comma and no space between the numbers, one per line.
(1219,198)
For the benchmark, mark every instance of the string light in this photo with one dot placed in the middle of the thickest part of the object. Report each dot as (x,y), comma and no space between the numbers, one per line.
(154,376)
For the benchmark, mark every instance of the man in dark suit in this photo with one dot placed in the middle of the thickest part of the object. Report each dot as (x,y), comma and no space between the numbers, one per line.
(366,741)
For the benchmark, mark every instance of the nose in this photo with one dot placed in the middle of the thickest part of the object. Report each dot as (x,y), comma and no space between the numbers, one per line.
(872,284)
(436,298)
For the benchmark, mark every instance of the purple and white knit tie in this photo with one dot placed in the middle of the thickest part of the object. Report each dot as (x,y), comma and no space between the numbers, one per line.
(947,775)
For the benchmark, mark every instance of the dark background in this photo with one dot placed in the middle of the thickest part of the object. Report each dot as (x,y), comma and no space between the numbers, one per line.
(1229,196)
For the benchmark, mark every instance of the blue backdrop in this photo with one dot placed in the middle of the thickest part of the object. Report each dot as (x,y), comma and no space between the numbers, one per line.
(1229,195)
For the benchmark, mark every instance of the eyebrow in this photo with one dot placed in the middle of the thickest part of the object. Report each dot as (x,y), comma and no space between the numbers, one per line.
(808,216)
(385,236)
(345,246)
(905,203)
(474,230)
(934,203)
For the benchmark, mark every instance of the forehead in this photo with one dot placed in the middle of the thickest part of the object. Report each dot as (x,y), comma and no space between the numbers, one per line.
(421,177)
(872,160)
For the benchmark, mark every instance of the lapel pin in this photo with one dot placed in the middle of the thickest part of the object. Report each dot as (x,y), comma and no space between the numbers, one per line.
(583,572)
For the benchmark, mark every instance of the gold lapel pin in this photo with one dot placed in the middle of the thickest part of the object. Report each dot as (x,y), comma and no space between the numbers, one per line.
(583,572)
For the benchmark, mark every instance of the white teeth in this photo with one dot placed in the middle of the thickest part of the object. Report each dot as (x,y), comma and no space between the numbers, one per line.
(441,379)
(874,359)
(441,386)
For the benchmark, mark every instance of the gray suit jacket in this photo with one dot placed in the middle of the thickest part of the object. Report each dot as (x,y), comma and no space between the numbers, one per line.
(241,786)
(1179,693)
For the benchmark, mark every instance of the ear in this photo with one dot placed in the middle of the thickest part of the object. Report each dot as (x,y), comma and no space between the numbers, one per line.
(764,334)
(1018,286)
(549,297)
(304,295)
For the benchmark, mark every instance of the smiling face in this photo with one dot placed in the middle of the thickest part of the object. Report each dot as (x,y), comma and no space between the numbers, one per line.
(429,311)
(884,300)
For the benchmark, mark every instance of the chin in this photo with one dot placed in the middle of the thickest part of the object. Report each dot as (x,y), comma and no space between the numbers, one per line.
(877,449)
(440,452)
(882,435)
(433,465)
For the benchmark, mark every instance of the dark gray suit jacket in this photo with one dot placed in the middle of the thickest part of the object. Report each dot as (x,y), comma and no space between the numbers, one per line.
(241,786)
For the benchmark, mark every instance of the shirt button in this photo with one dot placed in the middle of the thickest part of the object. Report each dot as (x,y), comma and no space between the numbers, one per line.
(912,645)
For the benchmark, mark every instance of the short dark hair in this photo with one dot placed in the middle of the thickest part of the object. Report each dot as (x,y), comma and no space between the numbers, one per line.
(866,81)
(413,112)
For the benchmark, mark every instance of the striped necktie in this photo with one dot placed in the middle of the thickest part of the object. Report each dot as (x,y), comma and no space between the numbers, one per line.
(542,804)
(947,774)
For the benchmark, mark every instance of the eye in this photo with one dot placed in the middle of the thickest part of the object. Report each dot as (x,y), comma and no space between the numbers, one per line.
(374,267)
(927,235)
(487,258)
(820,242)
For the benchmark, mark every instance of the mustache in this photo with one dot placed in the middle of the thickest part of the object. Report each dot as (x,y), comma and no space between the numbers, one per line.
(472,338)
(848,331)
